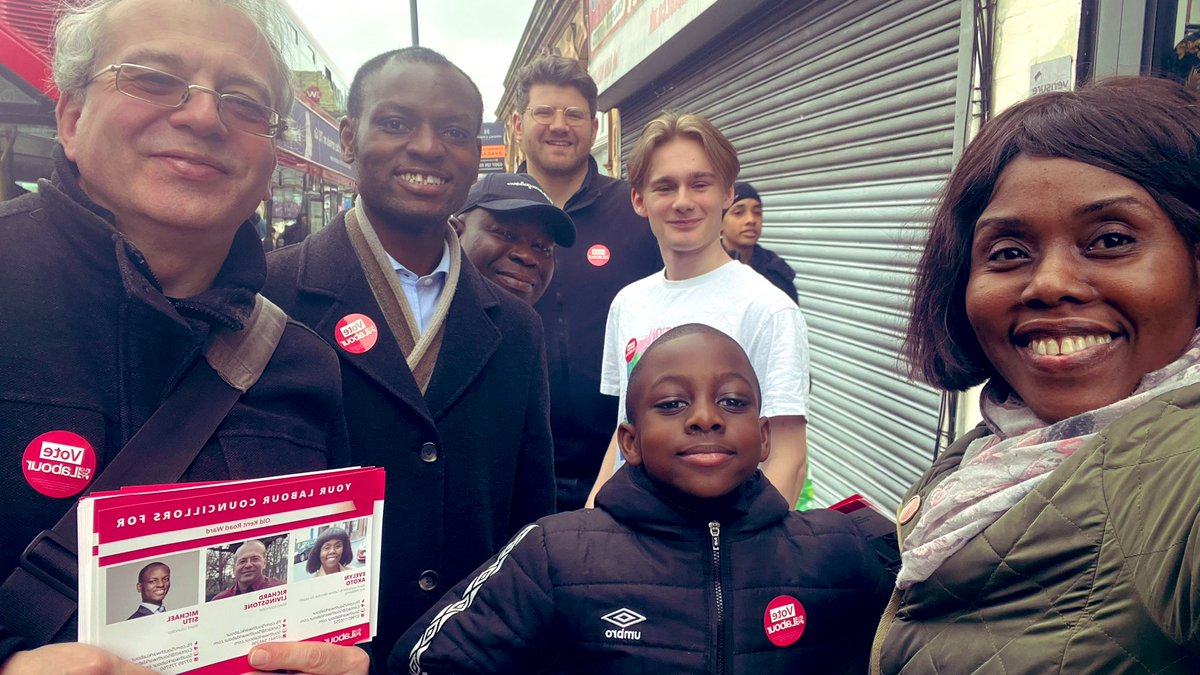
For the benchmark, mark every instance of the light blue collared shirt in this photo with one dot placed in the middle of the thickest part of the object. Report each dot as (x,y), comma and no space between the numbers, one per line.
(422,293)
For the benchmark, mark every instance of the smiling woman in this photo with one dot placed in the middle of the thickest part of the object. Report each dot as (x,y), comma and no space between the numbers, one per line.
(1063,270)
(1080,284)
(330,553)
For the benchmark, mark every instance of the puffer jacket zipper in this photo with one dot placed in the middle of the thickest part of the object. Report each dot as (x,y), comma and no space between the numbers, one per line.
(718,665)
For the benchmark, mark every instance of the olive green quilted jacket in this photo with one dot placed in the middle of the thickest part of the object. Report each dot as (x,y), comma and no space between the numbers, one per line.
(1095,571)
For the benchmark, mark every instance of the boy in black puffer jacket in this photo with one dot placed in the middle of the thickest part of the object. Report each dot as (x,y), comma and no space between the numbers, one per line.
(691,561)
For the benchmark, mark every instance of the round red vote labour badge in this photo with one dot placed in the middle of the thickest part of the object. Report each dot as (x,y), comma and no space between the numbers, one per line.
(598,255)
(59,464)
(784,621)
(356,333)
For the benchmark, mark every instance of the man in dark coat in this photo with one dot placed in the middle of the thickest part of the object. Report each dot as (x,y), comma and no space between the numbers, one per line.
(443,372)
(296,232)
(555,123)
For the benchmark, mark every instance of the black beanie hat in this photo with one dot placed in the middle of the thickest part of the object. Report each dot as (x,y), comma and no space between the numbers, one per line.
(743,191)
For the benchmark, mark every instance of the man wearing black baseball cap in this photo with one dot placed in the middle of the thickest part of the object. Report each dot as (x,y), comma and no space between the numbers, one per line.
(508,229)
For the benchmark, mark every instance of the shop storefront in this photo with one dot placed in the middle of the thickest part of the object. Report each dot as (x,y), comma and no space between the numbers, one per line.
(27,97)
(311,177)
(1127,38)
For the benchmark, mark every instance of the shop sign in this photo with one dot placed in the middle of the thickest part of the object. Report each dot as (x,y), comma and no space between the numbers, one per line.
(1048,76)
(315,139)
(491,154)
(623,34)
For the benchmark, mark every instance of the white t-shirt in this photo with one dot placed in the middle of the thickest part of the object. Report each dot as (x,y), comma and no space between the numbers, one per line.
(735,300)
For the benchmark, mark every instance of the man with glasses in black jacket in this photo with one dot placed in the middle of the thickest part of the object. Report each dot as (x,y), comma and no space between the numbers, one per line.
(555,123)
(118,272)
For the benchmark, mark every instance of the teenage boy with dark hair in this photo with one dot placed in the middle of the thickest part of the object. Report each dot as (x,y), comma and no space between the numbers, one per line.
(691,559)
(742,225)
(682,172)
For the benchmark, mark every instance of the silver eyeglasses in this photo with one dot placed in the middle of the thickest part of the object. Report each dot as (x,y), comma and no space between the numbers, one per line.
(165,90)
(545,114)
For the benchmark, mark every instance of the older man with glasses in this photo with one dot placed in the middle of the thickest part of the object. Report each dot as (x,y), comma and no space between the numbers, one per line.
(123,277)
(237,110)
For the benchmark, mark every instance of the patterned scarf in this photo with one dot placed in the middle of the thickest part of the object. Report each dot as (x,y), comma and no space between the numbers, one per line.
(999,469)
(420,349)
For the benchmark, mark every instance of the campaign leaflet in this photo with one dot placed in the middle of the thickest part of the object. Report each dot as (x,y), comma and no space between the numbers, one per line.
(189,578)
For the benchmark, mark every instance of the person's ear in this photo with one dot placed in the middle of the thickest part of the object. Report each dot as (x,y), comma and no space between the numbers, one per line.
(67,112)
(457,223)
(764,432)
(1196,258)
(271,176)
(628,444)
(347,129)
(1196,278)
(728,199)
(639,204)
(518,127)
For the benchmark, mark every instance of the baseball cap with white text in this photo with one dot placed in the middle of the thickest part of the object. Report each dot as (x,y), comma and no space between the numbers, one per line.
(510,192)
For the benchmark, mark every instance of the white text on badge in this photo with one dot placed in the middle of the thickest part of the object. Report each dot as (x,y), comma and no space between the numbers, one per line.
(60,452)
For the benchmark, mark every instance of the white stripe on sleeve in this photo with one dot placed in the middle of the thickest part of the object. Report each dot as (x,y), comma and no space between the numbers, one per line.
(472,590)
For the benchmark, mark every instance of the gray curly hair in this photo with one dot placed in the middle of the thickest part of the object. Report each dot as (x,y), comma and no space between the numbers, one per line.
(81,28)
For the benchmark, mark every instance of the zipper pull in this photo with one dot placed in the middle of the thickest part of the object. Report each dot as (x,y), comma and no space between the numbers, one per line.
(714,528)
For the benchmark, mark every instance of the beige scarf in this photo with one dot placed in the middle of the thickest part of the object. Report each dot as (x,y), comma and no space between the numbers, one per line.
(419,349)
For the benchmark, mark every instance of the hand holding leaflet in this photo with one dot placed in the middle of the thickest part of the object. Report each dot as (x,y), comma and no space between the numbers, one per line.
(211,570)
(310,658)
(70,657)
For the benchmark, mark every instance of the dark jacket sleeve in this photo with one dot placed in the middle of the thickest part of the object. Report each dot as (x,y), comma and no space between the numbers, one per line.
(776,270)
(843,558)
(338,438)
(497,620)
(874,592)
(534,489)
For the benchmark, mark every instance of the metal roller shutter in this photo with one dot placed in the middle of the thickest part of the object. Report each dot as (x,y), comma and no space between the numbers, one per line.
(843,113)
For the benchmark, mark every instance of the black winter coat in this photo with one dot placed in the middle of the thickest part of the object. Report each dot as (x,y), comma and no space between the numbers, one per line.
(768,263)
(574,312)
(89,344)
(469,462)
(639,585)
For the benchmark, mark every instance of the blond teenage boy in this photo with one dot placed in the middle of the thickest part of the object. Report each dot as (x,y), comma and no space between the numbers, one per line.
(682,173)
